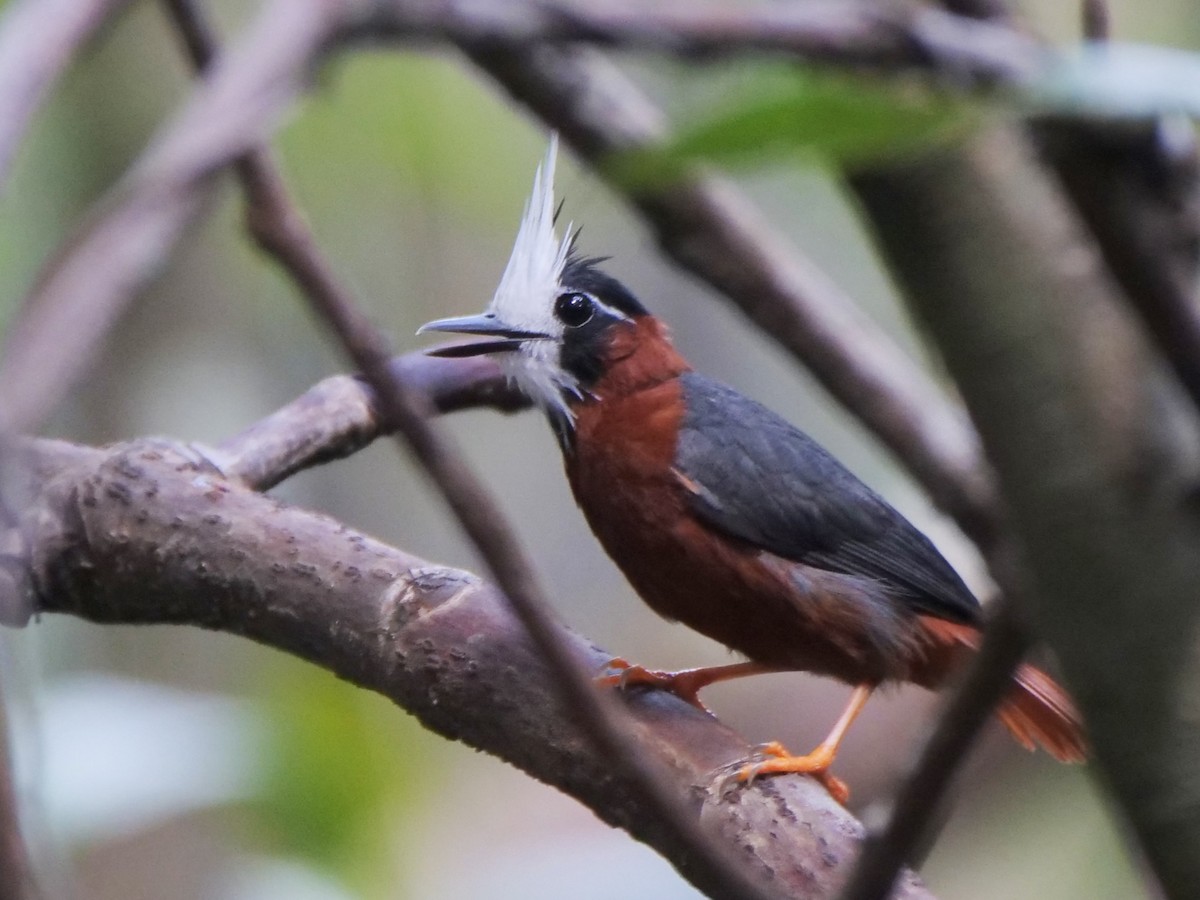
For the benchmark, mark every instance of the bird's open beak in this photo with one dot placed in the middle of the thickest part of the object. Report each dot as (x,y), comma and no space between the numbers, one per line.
(507,340)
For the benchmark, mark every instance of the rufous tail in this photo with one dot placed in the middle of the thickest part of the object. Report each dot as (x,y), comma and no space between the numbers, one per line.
(1036,710)
(1040,713)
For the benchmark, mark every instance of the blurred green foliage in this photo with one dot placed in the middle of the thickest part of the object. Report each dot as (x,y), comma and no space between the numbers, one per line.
(788,113)
(419,120)
(343,769)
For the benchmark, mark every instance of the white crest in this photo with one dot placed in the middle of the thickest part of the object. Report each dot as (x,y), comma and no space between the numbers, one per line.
(525,298)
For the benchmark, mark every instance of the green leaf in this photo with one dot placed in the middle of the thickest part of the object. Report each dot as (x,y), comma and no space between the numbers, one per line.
(847,121)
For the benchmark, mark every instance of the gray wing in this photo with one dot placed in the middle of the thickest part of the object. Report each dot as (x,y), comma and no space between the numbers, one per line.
(758,478)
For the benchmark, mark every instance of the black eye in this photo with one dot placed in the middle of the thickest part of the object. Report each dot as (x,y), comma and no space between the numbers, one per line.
(573,309)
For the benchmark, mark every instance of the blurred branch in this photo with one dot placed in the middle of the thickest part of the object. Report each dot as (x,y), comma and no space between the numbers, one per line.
(1136,185)
(83,290)
(1138,190)
(38,40)
(148,533)
(1097,453)
(887,37)
(710,228)
(979,9)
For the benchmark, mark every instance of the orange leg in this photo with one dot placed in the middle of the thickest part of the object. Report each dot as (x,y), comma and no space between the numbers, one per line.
(685,684)
(817,762)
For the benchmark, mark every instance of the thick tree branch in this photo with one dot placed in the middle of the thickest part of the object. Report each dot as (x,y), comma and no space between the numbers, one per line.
(145,533)
(1138,190)
(1096,451)
(337,417)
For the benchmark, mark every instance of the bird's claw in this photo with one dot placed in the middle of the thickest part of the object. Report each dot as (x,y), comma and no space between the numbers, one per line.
(772,749)
(773,759)
(613,672)
(621,674)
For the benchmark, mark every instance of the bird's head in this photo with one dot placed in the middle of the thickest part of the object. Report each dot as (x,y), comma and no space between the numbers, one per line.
(555,316)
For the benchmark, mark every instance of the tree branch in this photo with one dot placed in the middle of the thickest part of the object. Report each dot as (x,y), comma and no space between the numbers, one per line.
(340,416)
(1096,451)
(1138,190)
(709,228)
(279,227)
(916,810)
(146,532)
(896,36)
(84,289)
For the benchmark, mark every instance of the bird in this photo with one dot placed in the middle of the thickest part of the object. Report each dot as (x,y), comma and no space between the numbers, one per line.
(724,516)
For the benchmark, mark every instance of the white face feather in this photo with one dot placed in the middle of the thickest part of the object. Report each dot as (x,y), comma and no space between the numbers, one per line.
(525,298)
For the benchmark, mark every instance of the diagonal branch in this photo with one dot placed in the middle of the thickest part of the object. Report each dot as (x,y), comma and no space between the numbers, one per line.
(708,227)
(82,292)
(914,817)
(1096,447)
(278,226)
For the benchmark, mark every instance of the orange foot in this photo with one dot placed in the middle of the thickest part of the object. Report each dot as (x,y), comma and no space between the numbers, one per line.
(622,674)
(773,759)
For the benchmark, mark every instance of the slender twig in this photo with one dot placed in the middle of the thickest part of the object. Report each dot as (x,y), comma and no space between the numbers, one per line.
(915,811)
(278,226)
(1097,20)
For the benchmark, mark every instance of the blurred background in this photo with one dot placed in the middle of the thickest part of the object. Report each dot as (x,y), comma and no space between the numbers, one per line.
(168,762)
